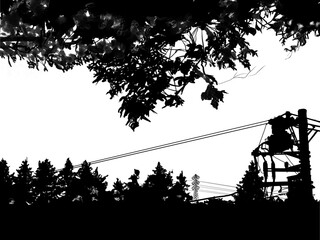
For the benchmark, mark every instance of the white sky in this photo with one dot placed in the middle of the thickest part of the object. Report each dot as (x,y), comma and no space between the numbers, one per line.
(57,115)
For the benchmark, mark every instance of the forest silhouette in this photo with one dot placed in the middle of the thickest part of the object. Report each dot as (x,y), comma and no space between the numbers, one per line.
(47,198)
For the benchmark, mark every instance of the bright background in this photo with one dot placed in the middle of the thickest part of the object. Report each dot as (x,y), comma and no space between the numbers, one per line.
(58,115)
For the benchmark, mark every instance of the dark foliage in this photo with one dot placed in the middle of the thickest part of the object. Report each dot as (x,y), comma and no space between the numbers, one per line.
(23,185)
(44,184)
(47,187)
(149,52)
(5,183)
(249,190)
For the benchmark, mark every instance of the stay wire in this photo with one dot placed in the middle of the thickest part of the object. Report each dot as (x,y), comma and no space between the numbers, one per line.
(289,160)
(265,126)
(171,144)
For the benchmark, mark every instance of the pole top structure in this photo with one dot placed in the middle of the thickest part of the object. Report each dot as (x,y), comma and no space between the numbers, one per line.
(290,137)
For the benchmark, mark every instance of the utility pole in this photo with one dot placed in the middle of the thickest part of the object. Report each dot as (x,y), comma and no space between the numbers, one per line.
(304,156)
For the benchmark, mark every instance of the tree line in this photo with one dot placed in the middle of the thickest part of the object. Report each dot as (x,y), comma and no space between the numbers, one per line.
(47,186)
(78,202)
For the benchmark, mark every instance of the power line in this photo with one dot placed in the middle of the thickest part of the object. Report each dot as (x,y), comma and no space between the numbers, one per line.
(216,188)
(225,185)
(213,192)
(175,143)
(208,198)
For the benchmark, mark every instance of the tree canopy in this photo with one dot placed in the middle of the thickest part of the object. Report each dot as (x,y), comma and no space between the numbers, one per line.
(149,52)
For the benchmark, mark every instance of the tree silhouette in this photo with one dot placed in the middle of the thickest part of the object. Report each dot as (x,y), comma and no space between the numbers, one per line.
(118,190)
(133,190)
(5,184)
(178,194)
(249,190)
(23,185)
(157,185)
(149,52)
(100,186)
(66,183)
(45,183)
(89,185)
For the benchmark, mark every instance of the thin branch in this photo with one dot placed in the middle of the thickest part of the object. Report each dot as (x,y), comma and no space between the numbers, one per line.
(243,75)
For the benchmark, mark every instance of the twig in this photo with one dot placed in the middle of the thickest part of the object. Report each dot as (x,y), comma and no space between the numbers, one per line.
(241,75)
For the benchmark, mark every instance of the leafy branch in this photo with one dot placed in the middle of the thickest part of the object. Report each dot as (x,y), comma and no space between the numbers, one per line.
(149,55)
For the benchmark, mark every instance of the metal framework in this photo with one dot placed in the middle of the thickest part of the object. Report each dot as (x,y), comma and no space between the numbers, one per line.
(195,186)
(290,137)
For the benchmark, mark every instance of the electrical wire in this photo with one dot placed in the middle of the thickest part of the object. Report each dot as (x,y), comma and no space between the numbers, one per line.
(216,188)
(208,198)
(213,192)
(175,143)
(311,119)
(265,126)
(289,160)
(225,185)
(279,159)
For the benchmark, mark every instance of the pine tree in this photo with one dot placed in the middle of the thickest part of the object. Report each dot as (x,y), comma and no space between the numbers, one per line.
(118,190)
(5,183)
(158,184)
(90,185)
(249,190)
(66,180)
(45,183)
(23,184)
(178,194)
(100,186)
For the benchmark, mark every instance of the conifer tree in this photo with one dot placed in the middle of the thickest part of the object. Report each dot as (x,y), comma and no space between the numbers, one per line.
(23,185)
(66,181)
(158,184)
(118,190)
(45,183)
(5,183)
(178,194)
(249,190)
(90,185)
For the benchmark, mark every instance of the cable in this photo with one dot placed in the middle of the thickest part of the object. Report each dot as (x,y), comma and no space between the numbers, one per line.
(225,185)
(311,119)
(265,126)
(279,159)
(289,160)
(171,144)
(208,198)
(213,192)
(216,188)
